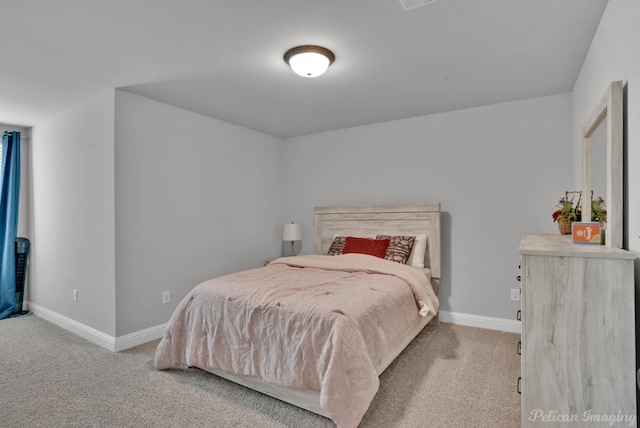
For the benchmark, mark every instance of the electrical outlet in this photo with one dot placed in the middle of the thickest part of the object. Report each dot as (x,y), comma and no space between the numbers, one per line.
(166,297)
(75,296)
(515,294)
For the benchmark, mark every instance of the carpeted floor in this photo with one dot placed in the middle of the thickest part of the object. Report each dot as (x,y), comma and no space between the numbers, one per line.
(450,376)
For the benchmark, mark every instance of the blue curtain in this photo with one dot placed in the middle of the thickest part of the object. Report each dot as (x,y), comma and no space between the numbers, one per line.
(9,199)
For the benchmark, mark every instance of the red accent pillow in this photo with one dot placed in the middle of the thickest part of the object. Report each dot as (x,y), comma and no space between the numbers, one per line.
(373,247)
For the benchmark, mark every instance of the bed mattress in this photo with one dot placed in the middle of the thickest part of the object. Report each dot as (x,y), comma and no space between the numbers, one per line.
(318,323)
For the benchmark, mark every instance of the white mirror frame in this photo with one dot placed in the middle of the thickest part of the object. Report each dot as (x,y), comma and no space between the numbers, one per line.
(609,108)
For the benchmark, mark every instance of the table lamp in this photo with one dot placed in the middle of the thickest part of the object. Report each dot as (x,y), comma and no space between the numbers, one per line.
(292,232)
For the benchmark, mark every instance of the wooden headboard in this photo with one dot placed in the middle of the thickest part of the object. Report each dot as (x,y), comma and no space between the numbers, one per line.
(371,220)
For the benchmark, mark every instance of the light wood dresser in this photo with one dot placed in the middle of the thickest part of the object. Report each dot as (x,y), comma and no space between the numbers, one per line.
(578,334)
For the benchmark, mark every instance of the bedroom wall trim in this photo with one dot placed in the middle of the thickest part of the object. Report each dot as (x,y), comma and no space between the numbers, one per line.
(143,336)
(91,334)
(479,321)
(114,344)
(139,337)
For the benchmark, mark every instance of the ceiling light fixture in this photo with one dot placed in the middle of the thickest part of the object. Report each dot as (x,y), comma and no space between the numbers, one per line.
(309,61)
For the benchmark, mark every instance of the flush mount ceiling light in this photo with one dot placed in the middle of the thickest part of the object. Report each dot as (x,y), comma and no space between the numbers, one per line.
(309,61)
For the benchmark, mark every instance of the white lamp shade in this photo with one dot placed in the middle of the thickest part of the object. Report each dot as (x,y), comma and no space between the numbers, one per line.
(309,64)
(292,232)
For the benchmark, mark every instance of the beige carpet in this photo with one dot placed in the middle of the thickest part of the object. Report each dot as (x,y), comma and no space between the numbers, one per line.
(450,376)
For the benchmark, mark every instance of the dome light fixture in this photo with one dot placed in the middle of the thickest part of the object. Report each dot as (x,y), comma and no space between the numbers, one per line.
(308,60)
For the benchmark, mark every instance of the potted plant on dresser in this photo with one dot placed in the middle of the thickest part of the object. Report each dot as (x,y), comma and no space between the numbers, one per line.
(567,212)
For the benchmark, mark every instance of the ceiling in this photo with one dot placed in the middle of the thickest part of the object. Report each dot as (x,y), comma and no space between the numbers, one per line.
(224,58)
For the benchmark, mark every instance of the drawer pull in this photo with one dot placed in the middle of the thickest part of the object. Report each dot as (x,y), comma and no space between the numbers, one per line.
(519,382)
(519,278)
(519,315)
(519,348)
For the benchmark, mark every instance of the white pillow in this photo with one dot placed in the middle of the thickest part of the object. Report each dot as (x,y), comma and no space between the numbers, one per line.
(416,259)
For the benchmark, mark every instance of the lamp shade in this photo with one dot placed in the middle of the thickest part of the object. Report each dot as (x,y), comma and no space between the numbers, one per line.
(309,61)
(292,232)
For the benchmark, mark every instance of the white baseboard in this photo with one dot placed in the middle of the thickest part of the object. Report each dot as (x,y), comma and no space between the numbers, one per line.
(115,344)
(139,337)
(501,324)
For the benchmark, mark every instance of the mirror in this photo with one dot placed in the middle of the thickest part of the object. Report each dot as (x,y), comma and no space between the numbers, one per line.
(599,161)
(602,153)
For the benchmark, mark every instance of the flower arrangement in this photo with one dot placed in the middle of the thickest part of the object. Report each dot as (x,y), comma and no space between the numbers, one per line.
(566,212)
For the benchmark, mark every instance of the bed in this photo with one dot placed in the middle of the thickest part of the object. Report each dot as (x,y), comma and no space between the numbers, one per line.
(316,331)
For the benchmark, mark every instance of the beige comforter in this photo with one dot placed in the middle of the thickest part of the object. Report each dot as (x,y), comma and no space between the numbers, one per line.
(306,322)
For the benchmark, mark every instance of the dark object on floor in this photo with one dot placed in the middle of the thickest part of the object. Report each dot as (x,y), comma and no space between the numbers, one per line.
(22,247)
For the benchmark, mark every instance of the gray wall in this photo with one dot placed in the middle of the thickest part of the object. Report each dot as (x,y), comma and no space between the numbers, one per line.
(132,198)
(497,170)
(73,214)
(613,56)
(195,198)
(160,198)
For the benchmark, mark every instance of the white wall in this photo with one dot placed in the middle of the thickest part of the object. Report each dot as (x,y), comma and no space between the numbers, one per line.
(497,170)
(73,214)
(614,55)
(195,198)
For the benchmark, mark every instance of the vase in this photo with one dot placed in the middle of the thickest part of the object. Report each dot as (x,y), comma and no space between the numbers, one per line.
(564,225)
